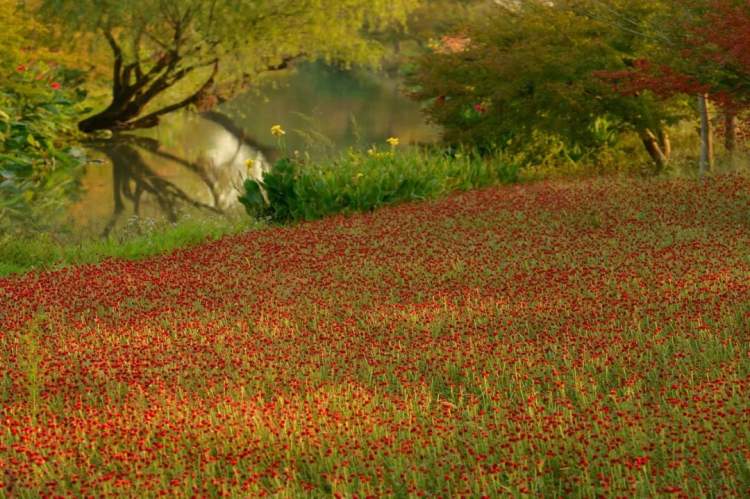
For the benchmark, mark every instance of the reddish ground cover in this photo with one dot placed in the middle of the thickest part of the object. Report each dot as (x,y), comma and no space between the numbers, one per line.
(587,338)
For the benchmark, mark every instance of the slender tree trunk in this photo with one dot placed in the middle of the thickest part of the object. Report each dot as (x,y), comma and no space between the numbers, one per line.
(730,135)
(665,143)
(730,131)
(707,143)
(658,148)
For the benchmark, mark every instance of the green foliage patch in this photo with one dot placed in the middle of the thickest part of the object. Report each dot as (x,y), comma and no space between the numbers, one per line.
(139,239)
(358,182)
(526,78)
(40,104)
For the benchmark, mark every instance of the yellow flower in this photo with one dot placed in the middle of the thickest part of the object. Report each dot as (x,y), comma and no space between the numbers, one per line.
(249,164)
(372,151)
(277,131)
(393,141)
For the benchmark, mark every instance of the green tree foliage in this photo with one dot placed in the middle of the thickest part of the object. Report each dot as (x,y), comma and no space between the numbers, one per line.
(171,54)
(435,18)
(526,74)
(38,113)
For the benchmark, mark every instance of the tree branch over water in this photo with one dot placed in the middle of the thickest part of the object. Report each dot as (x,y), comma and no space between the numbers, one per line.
(158,44)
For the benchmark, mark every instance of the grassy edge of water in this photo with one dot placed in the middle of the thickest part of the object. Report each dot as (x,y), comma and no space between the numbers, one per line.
(441,176)
(429,175)
(43,252)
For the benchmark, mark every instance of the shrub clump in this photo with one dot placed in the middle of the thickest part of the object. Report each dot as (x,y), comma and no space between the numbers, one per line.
(295,189)
(39,163)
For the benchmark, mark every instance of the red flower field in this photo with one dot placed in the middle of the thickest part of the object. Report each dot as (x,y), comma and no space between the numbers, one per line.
(554,339)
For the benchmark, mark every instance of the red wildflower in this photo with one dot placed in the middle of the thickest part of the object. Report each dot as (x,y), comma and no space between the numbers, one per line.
(403,346)
(21,68)
(55,85)
(453,44)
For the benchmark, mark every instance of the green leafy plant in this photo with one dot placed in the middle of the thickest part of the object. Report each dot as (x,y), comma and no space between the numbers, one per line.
(279,186)
(362,181)
(40,104)
(39,163)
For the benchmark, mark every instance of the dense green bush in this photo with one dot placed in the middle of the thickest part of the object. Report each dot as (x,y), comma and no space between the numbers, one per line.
(38,163)
(39,108)
(527,78)
(358,181)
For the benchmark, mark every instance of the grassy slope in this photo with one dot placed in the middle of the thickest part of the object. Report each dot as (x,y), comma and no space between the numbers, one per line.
(557,339)
(42,252)
(354,182)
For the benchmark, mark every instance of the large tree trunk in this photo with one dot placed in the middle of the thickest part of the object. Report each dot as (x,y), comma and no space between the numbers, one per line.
(707,143)
(659,147)
(120,112)
(133,88)
(124,112)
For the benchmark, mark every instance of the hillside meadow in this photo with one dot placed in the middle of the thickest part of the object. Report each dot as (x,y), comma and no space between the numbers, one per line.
(578,339)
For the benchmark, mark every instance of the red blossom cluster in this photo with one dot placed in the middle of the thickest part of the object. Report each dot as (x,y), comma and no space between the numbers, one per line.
(661,80)
(480,108)
(567,339)
(453,44)
(726,29)
(23,68)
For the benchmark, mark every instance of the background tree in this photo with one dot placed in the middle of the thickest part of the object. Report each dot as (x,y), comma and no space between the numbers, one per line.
(527,72)
(434,19)
(167,55)
(718,40)
(703,54)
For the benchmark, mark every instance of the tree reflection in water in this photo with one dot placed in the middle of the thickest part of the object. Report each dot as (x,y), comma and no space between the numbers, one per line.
(222,166)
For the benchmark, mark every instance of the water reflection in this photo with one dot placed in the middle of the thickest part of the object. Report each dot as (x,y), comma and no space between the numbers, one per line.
(200,161)
(149,179)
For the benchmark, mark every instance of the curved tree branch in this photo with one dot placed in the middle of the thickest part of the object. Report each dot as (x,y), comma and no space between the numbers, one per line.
(152,119)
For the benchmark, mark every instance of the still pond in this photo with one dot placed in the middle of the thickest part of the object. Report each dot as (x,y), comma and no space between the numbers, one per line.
(199,161)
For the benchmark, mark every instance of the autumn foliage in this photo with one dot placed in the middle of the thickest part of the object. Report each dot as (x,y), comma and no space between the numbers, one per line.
(722,40)
(709,54)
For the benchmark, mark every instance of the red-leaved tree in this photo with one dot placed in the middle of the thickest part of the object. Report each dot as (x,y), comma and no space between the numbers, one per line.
(707,54)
